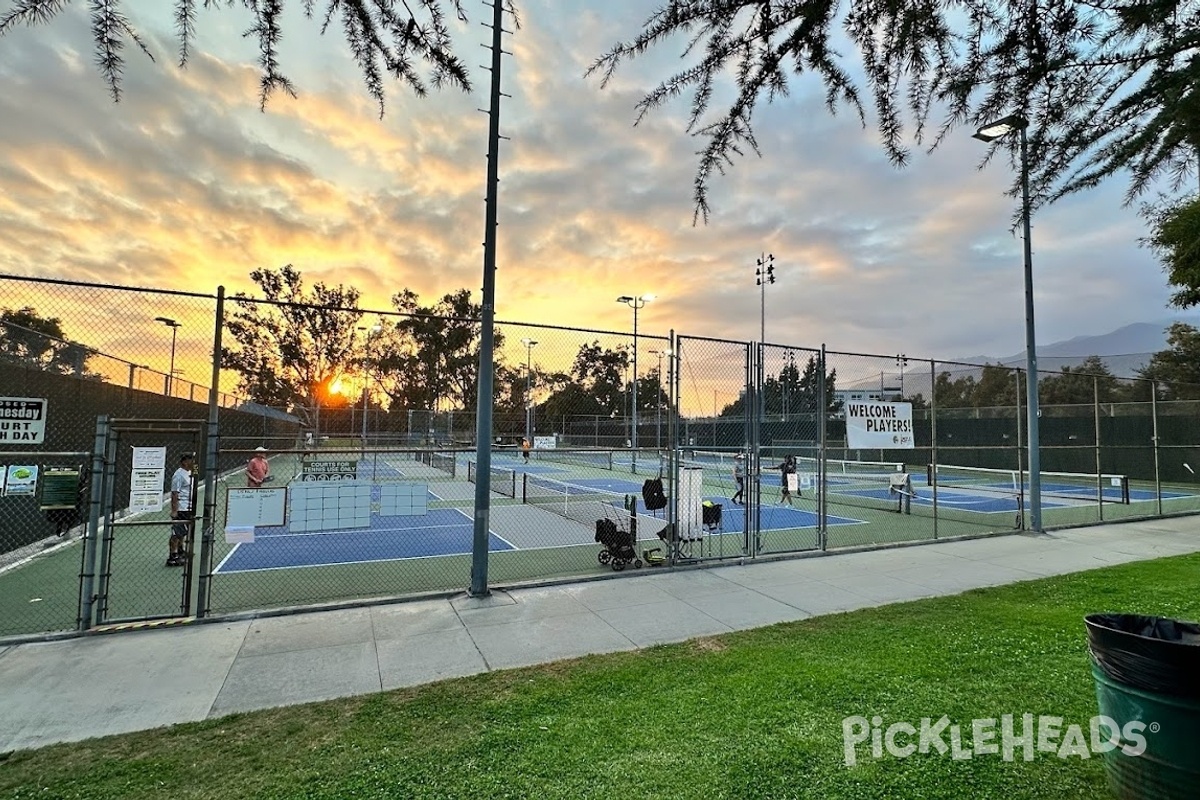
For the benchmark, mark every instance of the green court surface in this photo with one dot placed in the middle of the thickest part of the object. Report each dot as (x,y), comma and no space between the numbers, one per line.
(40,594)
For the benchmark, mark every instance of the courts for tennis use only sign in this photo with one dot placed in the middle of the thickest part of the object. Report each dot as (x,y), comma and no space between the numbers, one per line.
(339,470)
(873,425)
(22,419)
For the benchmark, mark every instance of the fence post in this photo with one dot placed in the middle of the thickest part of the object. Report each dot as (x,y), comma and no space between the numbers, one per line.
(931,470)
(208,532)
(1099,461)
(1020,453)
(823,411)
(87,575)
(1157,469)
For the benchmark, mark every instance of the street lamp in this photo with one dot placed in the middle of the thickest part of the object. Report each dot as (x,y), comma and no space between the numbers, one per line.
(990,133)
(529,344)
(902,362)
(174,326)
(635,303)
(658,400)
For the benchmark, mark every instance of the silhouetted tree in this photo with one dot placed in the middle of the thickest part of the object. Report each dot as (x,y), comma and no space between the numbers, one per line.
(292,343)
(1105,87)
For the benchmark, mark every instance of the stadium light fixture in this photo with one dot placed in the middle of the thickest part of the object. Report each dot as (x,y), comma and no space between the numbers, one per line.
(174,326)
(635,303)
(763,274)
(990,133)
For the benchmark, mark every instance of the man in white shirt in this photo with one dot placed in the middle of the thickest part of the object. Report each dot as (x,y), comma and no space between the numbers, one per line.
(182,510)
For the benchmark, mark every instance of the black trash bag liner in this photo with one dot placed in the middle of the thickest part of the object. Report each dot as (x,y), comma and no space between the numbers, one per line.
(1155,654)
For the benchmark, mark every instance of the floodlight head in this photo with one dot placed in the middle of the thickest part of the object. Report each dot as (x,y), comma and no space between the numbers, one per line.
(529,342)
(1001,127)
(646,298)
(170,323)
(624,299)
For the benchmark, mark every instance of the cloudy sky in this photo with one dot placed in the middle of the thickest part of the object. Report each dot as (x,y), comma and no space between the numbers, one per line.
(184,184)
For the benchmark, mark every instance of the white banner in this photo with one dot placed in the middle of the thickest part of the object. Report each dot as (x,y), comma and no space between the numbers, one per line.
(872,425)
(545,442)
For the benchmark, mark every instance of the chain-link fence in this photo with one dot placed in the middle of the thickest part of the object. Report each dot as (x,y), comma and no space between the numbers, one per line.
(336,457)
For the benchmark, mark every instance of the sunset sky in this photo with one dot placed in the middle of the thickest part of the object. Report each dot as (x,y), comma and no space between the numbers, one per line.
(184,184)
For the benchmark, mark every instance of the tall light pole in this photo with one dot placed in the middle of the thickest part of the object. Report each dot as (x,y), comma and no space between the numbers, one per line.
(529,344)
(902,362)
(990,133)
(376,328)
(658,400)
(174,326)
(635,303)
(764,274)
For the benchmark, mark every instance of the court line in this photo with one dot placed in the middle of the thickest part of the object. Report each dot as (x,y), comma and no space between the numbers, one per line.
(490,531)
(344,563)
(335,531)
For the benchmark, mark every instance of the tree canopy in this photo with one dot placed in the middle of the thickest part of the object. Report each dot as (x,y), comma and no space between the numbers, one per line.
(27,337)
(291,344)
(431,353)
(1106,86)
(385,38)
(1175,237)
(1177,367)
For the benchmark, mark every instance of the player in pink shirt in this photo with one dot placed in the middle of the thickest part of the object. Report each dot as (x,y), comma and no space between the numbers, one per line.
(257,470)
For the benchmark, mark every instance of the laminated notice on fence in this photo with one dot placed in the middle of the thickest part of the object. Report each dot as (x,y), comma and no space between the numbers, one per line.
(146,476)
(872,425)
(239,534)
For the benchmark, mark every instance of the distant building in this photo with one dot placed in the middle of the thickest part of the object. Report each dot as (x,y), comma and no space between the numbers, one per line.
(886,393)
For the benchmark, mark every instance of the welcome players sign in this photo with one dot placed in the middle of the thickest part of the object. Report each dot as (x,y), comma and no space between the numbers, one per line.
(872,425)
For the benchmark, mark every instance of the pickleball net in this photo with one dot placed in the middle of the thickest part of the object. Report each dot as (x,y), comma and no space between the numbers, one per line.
(1085,486)
(504,481)
(586,504)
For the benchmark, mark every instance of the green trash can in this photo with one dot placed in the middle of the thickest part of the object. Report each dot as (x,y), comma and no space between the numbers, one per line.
(1147,674)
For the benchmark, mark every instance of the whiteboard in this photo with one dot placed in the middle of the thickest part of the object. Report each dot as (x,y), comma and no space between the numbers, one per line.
(250,507)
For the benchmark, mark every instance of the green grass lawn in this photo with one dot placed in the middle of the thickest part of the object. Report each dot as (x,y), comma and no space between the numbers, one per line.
(754,714)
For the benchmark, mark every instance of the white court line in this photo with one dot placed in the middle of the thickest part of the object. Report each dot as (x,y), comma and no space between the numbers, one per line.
(335,531)
(346,563)
(490,531)
(228,556)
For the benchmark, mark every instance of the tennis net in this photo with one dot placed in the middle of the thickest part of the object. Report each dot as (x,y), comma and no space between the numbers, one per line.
(586,504)
(446,462)
(597,459)
(504,481)
(840,471)
(1092,487)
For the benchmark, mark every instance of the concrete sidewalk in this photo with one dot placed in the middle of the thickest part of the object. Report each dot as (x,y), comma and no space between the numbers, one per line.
(96,685)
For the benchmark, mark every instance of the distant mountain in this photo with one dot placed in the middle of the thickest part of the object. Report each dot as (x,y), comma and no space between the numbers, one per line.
(1125,351)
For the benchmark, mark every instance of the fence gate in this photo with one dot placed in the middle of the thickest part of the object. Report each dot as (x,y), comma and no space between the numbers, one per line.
(125,575)
(714,398)
(791,399)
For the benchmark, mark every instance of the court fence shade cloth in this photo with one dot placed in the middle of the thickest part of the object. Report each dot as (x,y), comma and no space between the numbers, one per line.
(374,464)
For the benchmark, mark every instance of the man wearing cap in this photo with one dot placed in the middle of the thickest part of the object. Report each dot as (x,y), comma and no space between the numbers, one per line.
(257,469)
(182,510)
(739,477)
